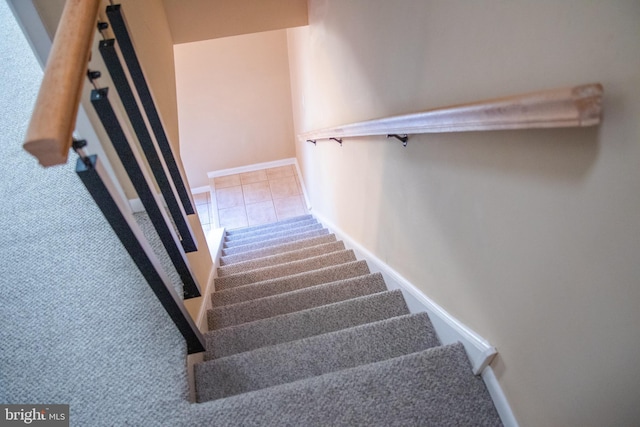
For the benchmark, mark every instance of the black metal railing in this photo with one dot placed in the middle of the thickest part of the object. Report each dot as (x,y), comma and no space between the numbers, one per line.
(119,27)
(103,192)
(149,166)
(143,186)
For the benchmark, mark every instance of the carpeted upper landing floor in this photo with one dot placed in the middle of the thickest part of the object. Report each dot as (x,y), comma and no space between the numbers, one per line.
(78,323)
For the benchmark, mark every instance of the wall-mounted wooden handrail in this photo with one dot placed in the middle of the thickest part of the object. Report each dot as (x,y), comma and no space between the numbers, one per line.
(50,131)
(567,107)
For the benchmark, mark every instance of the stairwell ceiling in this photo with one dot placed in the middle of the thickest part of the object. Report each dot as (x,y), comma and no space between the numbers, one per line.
(195,20)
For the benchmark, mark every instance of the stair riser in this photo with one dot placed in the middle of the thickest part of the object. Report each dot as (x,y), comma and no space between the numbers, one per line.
(274,229)
(305,323)
(280,259)
(296,267)
(266,226)
(348,348)
(273,242)
(288,284)
(271,236)
(277,250)
(290,302)
(429,388)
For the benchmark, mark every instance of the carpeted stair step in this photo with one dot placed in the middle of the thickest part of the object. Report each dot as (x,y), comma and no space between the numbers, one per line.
(305,323)
(272,260)
(294,267)
(289,302)
(313,356)
(289,283)
(276,250)
(272,235)
(272,229)
(434,387)
(273,242)
(253,228)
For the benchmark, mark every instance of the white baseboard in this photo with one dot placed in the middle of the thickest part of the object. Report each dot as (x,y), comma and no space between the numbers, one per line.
(498,397)
(448,328)
(307,201)
(200,190)
(252,168)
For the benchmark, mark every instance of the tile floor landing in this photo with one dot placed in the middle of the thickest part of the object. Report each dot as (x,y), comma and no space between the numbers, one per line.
(251,198)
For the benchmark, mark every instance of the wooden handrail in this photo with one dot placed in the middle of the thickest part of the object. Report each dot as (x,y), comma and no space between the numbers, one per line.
(567,107)
(50,131)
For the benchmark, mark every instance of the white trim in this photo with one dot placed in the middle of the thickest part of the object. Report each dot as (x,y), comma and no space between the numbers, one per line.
(449,328)
(302,186)
(252,168)
(136,205)
(214,242)
(32,27)
(200,190)
(499,399)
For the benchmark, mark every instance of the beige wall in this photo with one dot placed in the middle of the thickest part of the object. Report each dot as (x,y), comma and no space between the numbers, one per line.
(196,20)
(532,238)
(234,101)
(152,40)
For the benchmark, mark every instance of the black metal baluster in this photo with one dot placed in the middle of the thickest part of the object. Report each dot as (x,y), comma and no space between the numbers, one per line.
(108,52)
(119,27)
(96,181)
(102,105)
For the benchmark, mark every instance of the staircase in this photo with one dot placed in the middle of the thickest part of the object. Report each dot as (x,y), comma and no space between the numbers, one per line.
(301,333)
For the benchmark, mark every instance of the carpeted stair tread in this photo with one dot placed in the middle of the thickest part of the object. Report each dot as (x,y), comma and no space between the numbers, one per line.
(301,333)
(294,267)
(253,228)
(283,258)
(276,250)
(289,302)
(273,229)
(289,283)
(273,242)
(313,356)
(272,235)
(434,387)
(304,323)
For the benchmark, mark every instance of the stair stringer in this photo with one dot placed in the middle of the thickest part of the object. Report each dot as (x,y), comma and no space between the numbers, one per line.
(448,328)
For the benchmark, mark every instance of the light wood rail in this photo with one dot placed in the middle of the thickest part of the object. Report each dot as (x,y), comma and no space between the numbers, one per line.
(567,107)
(49,135)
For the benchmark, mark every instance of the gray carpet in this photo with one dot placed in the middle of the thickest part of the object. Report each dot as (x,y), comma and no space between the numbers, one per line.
(288,302)
(149,231)
(280,259)
(245,240)
(278,249)
(256,246)
(303,323)
(315,355)
(81,327)
(290,283)
(309,333)
(289,268)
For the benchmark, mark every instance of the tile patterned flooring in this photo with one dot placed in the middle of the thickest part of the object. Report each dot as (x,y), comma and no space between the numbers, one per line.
(251,198)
